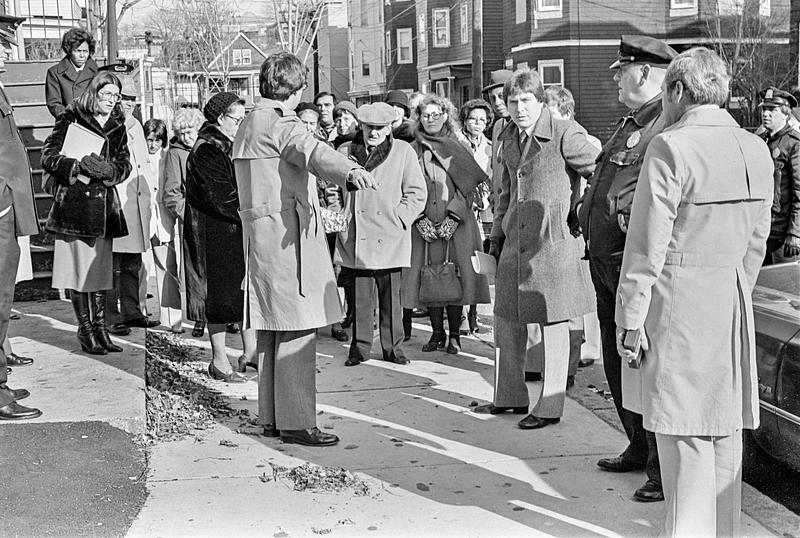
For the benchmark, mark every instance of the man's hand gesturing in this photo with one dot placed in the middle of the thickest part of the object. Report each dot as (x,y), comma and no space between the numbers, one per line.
(359,179)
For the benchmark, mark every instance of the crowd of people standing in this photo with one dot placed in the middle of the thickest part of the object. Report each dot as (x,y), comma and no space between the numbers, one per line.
(254,220)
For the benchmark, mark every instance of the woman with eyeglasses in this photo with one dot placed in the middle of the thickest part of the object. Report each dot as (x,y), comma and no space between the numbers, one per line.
(474,116)
(68,79)
(447,226)
(86,214)
(212,236)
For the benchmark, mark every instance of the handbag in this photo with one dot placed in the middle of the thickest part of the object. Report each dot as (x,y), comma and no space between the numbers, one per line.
(332,221)
(72,206)
(439,284)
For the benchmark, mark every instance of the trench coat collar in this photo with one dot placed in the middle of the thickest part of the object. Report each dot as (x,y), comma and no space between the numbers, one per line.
(542,132)
(706,116)
(278,106)
(67,69)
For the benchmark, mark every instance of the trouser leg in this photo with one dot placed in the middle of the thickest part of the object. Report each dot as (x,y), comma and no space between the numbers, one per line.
(294,379)
(534,350)
(690,485)
(728,469)
(550,404)
(407,322)
(363,315)
(510,338)
(9,260)
(390,313)
(265,351)
(436,314)
(130,267)
(653,466)
(575,343)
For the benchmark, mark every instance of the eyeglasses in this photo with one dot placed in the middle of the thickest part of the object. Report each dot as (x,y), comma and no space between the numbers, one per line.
(109,96)
(476,120)
(432,116)
(236,120)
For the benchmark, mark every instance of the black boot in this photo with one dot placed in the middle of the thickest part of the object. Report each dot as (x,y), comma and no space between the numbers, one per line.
(438,338)
(454,323)
(80,304)
(99,328)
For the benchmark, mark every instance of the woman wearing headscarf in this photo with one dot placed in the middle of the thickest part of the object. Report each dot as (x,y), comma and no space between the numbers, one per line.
(212,235)
(86,214)
(447,228)
(68,79)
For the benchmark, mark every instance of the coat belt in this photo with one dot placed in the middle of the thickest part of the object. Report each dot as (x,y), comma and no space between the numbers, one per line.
(703,259)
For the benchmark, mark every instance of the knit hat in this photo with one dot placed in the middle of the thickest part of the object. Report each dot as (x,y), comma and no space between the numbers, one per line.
(218,105)
(398,98)
(344,106)
(302,107)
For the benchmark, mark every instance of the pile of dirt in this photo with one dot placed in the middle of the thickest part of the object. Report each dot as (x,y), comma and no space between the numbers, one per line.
(308,477)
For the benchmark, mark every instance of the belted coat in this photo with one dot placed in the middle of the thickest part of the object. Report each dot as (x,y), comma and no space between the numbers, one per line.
(289,283)
(697,237)
(16,181)
(540,278)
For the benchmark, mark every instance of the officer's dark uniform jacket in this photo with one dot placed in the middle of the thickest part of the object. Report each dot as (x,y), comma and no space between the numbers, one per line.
(785,149)
(610,195)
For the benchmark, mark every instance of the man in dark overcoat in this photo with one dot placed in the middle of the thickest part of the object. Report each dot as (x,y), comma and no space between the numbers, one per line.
(17,218)
(639,72)
(539,280)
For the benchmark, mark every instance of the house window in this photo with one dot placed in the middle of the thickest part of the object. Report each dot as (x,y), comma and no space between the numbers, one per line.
(247,57)
(682,8)
(521,11)
(552,72)
(364,13)
(388,59)
(405,54)
(364,64)
(464,23)
(548,5)
(237,56)
(421,30)
(441,27)
(442,88)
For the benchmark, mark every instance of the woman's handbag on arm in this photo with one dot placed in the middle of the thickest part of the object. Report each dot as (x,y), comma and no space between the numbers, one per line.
(439,284)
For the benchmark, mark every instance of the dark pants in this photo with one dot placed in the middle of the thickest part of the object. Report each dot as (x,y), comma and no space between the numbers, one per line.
(122,303)
(642,444)
(9,260)
(773,244)
(390,313)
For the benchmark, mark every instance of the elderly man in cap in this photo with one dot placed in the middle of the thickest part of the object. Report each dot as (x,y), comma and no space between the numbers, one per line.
(125,304)
(639,72)
(377,243)
(784,145)
(17,218)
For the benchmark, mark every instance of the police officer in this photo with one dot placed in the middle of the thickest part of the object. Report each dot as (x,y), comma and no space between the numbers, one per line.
(784,144)
(17,217)
(638,72)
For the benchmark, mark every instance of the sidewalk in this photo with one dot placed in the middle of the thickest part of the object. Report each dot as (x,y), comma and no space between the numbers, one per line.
(431,468)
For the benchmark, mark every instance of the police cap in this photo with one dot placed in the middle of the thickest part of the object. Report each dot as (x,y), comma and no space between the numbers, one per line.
(773,97)
(497,78)
(643,49)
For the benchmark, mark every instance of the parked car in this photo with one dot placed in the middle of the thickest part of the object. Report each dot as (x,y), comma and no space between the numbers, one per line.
(776,304)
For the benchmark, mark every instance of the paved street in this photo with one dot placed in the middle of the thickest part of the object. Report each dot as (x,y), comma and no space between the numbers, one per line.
(428,466)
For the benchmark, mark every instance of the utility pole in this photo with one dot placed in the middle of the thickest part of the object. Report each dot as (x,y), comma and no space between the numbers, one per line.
(111,30)
(477,48)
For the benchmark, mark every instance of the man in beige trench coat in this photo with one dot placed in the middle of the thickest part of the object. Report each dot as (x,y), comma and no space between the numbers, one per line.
(289,286)
(695,243)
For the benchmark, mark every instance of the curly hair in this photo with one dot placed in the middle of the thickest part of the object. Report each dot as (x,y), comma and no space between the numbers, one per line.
(74,38)
(450,127)
(469,106)
(187,117)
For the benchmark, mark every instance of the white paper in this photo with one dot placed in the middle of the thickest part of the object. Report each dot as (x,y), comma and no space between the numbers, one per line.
(80,142)
(483,264)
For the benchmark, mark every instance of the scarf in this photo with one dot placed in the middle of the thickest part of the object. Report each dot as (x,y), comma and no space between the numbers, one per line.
(358,151)
(456,160)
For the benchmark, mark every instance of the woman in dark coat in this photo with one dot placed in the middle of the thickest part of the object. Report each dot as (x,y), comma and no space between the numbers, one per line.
(447,225)
(68,79)
(86,213)
(212,235)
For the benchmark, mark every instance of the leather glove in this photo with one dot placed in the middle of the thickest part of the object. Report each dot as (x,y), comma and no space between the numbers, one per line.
(447,228)
(791,247)
(96,167)
(496,247)
(573,224)
(359,179)
(426,229)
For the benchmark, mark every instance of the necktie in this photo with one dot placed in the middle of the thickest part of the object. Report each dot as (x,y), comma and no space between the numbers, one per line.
(523,140)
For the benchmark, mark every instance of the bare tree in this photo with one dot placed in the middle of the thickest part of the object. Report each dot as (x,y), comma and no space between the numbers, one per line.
(748,34)
(298,24)
(96,14)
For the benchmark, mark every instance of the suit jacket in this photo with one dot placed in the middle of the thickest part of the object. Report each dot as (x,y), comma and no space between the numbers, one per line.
(16,182)
(697,237)
(64,83)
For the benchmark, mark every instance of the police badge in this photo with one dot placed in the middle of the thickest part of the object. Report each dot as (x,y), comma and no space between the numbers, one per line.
(776,153)
(633,139)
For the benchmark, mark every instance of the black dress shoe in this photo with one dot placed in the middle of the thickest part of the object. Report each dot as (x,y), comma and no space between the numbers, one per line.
(243,363)
(232,328)
(437,341)
(12,359)
(340,335)
(583,363)
(270,431)
(355,360)
(119,329)
(397,359)
(143,323)
(18,394)
(312,437)
(14,411)
(219,375)
(533,376)
(491,409)
(534,423)
(652,491)
(620,464)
